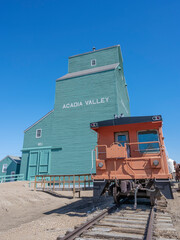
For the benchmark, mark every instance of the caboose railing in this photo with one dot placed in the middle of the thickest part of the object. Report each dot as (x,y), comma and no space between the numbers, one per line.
(126,147)
(128,153)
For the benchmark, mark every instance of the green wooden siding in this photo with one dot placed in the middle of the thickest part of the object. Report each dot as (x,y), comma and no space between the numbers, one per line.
(30,139)
(25,162)
(66,142)
(11,166)
(103,57)
(122,93)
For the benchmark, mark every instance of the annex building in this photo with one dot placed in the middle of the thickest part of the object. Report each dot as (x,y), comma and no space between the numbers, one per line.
(94,89)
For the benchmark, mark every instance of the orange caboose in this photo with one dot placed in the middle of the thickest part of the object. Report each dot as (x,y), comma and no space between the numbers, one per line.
(131,158)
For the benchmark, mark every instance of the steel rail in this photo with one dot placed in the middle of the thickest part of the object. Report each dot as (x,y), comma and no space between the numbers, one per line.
(148,235)
(72,235)
(149,231)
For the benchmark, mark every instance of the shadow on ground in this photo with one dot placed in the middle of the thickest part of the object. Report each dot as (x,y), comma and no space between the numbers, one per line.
(55,194)
(81,207)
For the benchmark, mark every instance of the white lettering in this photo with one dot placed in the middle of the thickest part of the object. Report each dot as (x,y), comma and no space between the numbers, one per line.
(107,99)
(102,100)
(86,102)
(97,101)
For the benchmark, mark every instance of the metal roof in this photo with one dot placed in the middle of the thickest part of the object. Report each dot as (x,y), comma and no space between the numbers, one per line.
(14,158)
(89,71)
(39,120)
(94,51)
(126,120)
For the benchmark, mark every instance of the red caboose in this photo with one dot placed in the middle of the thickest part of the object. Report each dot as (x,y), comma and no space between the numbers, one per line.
(131,158)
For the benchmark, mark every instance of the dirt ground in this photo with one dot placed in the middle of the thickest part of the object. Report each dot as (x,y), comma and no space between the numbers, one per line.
(174,208)
(29,215)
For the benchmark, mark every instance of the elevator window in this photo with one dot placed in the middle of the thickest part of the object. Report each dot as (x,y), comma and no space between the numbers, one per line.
(38,133)
(93,62)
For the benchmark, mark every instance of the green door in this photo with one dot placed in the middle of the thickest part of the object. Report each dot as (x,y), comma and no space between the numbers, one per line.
(38,163)
(44,162)
(33,164)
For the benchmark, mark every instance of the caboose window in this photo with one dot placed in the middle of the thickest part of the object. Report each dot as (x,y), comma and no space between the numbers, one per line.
(122,138)
(148,137)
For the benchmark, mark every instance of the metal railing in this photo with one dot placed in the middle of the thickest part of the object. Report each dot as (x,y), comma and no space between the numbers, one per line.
(156,151)
(11,178)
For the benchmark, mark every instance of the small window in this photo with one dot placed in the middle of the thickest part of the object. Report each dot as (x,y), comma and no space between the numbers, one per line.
(38,133)
(148,136)
(122,138)
(93,62)
(4,168)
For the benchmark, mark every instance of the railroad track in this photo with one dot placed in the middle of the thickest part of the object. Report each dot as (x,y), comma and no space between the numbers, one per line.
(124,222)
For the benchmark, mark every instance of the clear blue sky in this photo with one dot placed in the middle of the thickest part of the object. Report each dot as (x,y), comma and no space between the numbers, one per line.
(38,36)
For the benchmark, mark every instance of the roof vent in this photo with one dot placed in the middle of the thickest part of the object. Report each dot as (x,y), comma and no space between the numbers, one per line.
(118,116)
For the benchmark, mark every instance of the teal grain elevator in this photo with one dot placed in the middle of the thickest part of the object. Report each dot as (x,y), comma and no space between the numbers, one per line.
(94,89)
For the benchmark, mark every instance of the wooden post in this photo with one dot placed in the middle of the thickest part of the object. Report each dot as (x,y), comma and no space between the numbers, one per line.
(44,181)
(59,182)
(79,182)
(53,183)
(73,186)
(50,182)
(84,182)
(79,186)
(89,181)
(69,182)
(63,182)
(35,184)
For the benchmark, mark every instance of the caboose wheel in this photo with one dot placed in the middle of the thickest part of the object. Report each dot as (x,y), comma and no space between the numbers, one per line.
(116,196)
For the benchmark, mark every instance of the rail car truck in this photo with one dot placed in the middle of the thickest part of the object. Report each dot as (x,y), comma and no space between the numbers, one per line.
(131,158)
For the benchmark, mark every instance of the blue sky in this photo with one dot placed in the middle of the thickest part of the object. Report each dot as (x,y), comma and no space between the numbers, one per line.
(38,36)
